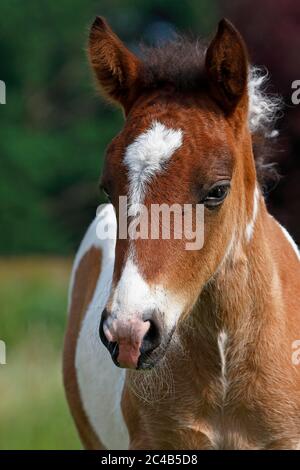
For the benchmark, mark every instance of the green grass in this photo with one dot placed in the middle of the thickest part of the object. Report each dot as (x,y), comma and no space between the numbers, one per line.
(33,409)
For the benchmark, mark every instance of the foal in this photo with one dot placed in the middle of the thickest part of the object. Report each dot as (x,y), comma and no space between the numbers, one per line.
(210,330)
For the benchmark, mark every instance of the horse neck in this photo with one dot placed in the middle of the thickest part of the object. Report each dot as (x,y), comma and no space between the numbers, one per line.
(242,301)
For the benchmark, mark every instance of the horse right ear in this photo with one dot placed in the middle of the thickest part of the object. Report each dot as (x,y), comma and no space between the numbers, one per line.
(116,68)
(227,66)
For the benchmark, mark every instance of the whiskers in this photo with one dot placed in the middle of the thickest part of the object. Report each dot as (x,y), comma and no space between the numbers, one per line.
(157,384)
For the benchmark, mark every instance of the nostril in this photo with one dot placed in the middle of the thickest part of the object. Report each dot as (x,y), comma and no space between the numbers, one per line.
(102,334)
(113,348)
(152,338)
(152,332)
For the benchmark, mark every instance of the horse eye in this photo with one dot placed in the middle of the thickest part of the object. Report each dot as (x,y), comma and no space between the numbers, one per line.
(216,194)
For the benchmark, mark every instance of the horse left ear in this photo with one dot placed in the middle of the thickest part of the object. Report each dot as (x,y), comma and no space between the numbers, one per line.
(227,66)
(116,68)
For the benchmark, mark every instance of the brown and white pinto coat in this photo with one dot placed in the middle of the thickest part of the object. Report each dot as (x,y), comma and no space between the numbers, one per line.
(228,314)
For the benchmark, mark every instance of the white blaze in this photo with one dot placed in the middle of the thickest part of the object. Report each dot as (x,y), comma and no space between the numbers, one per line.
(133,295)
(144,158)
(147,156)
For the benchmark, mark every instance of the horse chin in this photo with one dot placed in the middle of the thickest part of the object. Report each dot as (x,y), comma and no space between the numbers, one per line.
(147,363)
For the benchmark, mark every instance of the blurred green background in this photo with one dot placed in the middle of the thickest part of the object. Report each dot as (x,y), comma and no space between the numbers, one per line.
(53,134)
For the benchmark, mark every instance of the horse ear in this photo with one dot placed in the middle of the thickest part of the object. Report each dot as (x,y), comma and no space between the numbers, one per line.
(227,66)
(115,67)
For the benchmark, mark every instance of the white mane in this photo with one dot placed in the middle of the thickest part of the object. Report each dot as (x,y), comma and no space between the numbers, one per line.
(263,108)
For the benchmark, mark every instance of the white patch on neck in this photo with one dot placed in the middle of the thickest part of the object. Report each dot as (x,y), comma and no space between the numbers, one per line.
(147,156)
(108,216)
(222,344)
(251,224)
(100,382)
(228,253)
(290,240)
(133,295)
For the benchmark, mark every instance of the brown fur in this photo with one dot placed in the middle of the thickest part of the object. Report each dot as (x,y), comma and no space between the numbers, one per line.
(115,67)
(251,291)
(84,285)
(158,69)
(259,310)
